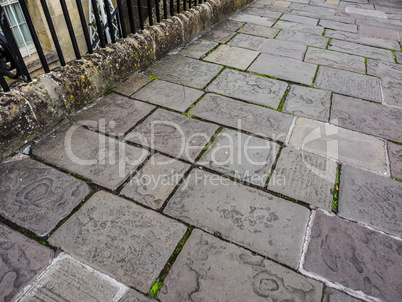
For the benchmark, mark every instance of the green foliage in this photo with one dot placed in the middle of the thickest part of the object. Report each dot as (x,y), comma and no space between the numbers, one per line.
(155,288)
(153,77)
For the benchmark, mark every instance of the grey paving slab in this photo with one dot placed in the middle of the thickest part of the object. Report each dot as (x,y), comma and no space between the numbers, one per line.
(299,19)
(283,49)
(198,49)
(258,30)
(392,90)
(90,155)
(338,143)
(36,196)
(218,36)
(371,199)
(398,55)
(365,12)
(338,25)
(261,12)
(395,158)
(307,177)
(333,295)
(249,87)
(355,257)
(184,71)
(319,10)
(69,280)
(284,68)
(120,239)
(349,83)
(134,296)
(115,114)
(335,59)
(133,83)
(306,28)
(281,3)
(22,260)
(232,56)
(302,38)
(169,95)
(308,102)
(375,119)
(264,21)
(379,32)
(361,50)
(247,41)
(152,185)
(258,120)
(336,18)
(384,69)
(228,25)
(242,215)
(213,270)
(174,134)
(241,156)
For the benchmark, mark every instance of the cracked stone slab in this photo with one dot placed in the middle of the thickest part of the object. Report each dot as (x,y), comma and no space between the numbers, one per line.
(395,157)
(134,296)
(335,59)
(214,270)
(232,56)
(308,102)
(284,68)
(356,114)
(120,239)
(184,71)
(218,36)
(248,87)
(174,134)
(242,215)
(36,196)
(306,28)
(264,21)
(333,295)
(355,257)
(384,69)
(133,83)
(349,83)
(241,156)
(308,177)
(283,49)
(247,41)
(261,12)
(299,19)
(90,155)
(198,49)
(168,95)
(152,185)
(302,38)
(22,260)
(228,25)
(258,30)
(339,26)
(348,146)
(115,114)
(258,120)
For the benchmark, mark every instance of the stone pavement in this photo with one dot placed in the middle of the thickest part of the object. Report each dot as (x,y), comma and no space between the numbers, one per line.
(262,162)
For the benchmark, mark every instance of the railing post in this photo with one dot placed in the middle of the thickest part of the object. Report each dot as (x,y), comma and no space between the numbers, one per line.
(70,29)
(122,24)
(109,21)
(84,26)
(131,15)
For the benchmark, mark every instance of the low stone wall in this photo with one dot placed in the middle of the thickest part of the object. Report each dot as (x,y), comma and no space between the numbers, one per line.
(31,109)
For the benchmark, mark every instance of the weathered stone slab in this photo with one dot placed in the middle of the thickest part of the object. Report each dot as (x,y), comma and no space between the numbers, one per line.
(69,280)
(247,41)
(375,119)
(371,199)
(258,30)
(284,68)
(302,38)
(36,196)
(134,296)
(105,161)
(248,87)
(283,49)
(398,57)
(152,185)
(318,10)
(392,90)
(299,19)
(242,215)
(338,25)
(379,32)
(395,157)
(349,83)
(198,49)
(232,56)
(22,259)
(384,69)
(261,12)
(336,18)
(115,114)
(168,95)
(335,59)
(120,238)
(264,21)
(133,83)
(354,256)
(248,117)
(228,25)
(184,71)
(280,3)
(365,12)
(338,143)
(213,270)
(241,156)
(333,295)
(309,29)
(218,36)
(173,134)
(308,102)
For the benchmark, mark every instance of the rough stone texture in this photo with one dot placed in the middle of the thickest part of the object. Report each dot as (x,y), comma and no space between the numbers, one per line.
(309,29)
(232,56)
(371,199)
(392,90)
(168,95)
(333,295)
(264,21)
(355,256)
(134,296)
(399,57)
(384,69)
(379,32)
(338,143)
(218,36)
(36,196)
(242,156)
(258,30)
(184,71)
(247,41)
(120,238)
(133,84)
(308,102)
(90,155)
(248,87)
(228,25)
(198,49)
(248,117)
(284,68)
(153,184)
(69,280)
(366,117)
(115,114)
(242,215)
(261,12)
(339,26)
(395,157)
(349,83)
(209,269)
(174,134)
(21,259)
(302,38)
(335,59)
(300,19)
(283,49)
